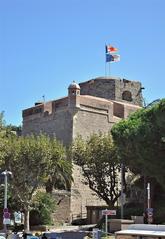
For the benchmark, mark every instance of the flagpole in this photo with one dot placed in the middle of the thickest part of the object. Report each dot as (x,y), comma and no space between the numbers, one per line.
(105,69)
(105,62)
(109,68)
(110,56)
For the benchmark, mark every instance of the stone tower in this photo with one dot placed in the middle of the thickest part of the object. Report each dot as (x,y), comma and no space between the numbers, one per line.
(113,88)
(73,95)
(90,107)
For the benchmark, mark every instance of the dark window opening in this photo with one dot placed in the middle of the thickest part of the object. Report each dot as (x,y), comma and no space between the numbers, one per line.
(127,96)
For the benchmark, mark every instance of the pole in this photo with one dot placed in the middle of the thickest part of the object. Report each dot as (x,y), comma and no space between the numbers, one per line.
(5,173)
(109,68)
(5,198)
(150,216)
(148,196)
(106,224)
(105,60)
(122,209)
(5,195)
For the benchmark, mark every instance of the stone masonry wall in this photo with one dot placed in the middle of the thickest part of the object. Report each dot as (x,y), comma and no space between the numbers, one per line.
(85,123)
(58,124)
(112,88)
(134,87)
(93,116)
(99,87)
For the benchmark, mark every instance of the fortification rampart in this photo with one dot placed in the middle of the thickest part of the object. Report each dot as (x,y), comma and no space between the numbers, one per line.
(92,107)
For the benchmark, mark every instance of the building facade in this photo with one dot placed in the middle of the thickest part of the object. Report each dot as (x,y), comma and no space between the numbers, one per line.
(89,107)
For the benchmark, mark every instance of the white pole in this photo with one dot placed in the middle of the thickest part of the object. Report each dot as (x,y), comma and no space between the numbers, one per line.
(106,223)
(5,173)
(148,196)
(150,217)
(5,195)
(122,198)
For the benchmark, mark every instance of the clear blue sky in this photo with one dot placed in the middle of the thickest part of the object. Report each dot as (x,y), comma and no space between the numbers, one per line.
(46,44)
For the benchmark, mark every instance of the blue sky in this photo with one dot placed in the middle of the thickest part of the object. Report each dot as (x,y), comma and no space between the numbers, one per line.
(46,44)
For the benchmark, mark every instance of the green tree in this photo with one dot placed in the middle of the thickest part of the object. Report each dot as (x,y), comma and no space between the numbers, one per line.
(31,159)
(44,204)
(140,141)
(60,174)
(97,158)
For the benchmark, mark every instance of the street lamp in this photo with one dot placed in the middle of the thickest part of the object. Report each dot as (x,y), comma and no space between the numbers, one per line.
(5,173)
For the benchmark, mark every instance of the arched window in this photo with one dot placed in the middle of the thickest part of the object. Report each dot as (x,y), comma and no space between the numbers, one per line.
(75,92)
(127,96)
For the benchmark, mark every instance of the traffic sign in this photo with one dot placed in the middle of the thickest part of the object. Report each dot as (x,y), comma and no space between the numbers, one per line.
(109,212)
(6,215)
(150,209)
(17,217)
(5,210)
(6,221)
(150,214)
(150,219)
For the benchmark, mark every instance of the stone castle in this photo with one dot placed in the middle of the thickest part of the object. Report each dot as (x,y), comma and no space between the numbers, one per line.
(90,107)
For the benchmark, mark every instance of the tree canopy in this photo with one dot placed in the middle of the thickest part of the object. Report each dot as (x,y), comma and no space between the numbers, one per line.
(97,158)
(140,141)
(33,161)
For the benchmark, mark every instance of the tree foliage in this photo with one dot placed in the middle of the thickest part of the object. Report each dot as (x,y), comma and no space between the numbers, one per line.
(140,141)
(97,158)
(32,161)
(44,204)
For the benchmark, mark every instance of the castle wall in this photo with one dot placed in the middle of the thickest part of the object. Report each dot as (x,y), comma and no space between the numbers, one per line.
(84,115)
(87,121)
(93,116)
(112,88)
(99,87)
(134,87)
(58,124)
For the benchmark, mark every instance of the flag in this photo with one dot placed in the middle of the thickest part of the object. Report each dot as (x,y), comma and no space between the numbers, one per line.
(113,58)
(110,49)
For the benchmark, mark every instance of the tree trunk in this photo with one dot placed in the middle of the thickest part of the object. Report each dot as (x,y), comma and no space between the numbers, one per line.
(49,186)
(26,223)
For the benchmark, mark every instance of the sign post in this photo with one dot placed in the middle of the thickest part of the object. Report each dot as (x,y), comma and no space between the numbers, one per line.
(150,215)
(149,209)
(17,217)
(6,216)
(107,213)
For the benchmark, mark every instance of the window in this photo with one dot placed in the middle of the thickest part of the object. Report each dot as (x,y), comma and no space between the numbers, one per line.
(127,96)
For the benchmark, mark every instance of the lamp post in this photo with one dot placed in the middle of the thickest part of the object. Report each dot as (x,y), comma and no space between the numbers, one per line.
(5,173)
